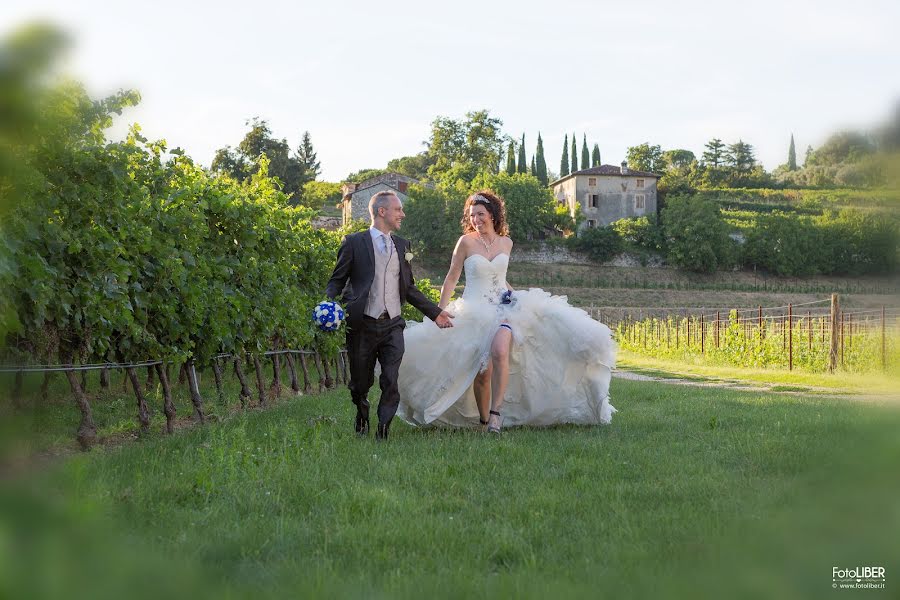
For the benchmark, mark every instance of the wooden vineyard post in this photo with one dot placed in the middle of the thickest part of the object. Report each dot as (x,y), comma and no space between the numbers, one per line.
(833,349)
(790,337)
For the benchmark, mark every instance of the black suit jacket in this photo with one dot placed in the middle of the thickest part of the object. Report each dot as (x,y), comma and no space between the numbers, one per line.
(355,269)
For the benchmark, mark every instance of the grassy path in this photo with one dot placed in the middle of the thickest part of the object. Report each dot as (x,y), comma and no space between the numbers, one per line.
(691,492)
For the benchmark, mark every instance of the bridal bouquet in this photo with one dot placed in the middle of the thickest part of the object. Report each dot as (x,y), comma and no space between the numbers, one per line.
(328,315)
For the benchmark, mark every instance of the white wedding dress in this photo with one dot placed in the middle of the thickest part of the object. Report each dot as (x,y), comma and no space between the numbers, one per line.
(560,362)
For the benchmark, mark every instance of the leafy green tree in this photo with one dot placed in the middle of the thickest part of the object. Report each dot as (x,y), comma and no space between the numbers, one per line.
(599,243)
(540,162)
(470,146)
(740,157)
(783,243)
(511,158)
(677,159)
(585,155)
(574,166)
(645,158)
(522,163)
(642,232)
(714,156)
(844,146)
(433,219)
(309,163)
(595,156)
(415,166)
(530,207)
(293,170)
(697,238)
(792,156)
(363,174)
(318,194)
(564,162)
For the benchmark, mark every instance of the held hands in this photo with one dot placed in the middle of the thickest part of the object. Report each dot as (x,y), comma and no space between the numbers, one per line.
(443,320)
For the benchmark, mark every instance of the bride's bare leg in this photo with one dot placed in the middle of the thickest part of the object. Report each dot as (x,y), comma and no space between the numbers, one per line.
(482,389)
(500,377)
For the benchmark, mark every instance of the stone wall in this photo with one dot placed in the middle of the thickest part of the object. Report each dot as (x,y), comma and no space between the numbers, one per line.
(549,254)
(329,223)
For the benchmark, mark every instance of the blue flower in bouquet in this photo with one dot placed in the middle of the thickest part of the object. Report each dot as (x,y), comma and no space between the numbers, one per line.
(507,297)
(328,315)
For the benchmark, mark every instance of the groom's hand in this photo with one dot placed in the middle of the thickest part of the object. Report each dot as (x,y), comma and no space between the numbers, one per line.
(443,320)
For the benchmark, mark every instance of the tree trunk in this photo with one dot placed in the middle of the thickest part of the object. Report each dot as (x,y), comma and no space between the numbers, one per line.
(182,374)
(276,375)
(260,384)
(292,370)
(329,381)
(307,386)
(318,363)
(87,431)
(84,381)
(339,368)
(17,400)
(124,382)
(45,386)
(150,379)
(168,405)
(245,389)
(143,413)
(104,378)
(346,358)
(194,386)
(217,373)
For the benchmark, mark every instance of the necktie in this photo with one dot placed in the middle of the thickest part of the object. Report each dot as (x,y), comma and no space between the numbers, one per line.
(384,244)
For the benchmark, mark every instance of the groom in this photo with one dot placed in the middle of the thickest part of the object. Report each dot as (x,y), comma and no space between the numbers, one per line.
(380,281)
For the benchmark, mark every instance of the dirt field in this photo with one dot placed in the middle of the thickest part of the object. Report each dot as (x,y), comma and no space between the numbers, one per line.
(616,291)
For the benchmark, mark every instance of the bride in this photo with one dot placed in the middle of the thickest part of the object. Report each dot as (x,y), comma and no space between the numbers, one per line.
(519,357)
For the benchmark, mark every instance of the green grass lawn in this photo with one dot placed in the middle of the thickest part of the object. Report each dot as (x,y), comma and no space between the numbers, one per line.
(841,382)
(691,492)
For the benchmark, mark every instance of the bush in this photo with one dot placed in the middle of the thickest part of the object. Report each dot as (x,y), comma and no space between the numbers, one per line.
(600,243)
(642,232)
(432,219)
(696,235)
(785,244)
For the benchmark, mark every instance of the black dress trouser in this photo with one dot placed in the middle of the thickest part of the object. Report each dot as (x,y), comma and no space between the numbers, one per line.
(381,340)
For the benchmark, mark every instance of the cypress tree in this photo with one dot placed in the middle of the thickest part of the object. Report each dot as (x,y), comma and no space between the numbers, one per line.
(511,158)
(792,156)
(595,156)
(533,169)
(522,165)
(585,155)
(564,163)
(540,163)
(574,154)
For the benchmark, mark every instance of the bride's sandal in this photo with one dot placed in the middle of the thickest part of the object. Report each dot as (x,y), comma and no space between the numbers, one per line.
(496,428)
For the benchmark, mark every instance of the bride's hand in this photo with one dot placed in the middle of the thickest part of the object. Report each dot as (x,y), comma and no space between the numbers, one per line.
(443,320)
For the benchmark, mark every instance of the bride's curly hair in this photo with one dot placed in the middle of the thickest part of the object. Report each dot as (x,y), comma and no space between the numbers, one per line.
(494,205)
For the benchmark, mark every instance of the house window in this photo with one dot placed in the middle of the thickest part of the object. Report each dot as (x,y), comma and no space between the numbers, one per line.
(640,183)
(592,181)
(639,201)
(595,200)
(592,223)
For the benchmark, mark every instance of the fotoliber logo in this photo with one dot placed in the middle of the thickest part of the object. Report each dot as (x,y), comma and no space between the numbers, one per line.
(858,577)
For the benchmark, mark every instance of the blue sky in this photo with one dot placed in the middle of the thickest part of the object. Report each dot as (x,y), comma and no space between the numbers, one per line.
(367,78)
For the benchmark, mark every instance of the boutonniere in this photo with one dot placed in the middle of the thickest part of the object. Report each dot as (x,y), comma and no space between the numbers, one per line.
(409,256)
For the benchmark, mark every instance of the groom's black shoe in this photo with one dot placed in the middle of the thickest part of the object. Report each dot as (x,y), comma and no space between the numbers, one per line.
(381,433)
(362,420)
